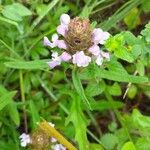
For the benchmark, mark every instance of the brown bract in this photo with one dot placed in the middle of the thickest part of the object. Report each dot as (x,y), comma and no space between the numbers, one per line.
(40,141)
(79,35)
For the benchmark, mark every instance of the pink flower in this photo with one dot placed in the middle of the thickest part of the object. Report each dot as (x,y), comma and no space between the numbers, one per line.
(99,36)
(62,29)
(74,53)
(61,44)
(53,43)
(25,139)
(95,50)
(65,56)
(81,59)
(56,60)
(65,19)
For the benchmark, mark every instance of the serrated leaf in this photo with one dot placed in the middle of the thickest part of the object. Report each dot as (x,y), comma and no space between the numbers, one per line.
(79,88)
(79,121)
(123,53)
(111,74)
(109,141)
(143,144)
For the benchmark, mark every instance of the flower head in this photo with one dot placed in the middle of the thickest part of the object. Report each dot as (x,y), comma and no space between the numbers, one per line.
(79,41)
(25,139)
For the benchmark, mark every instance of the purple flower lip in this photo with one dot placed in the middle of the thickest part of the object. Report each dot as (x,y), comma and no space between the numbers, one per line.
(79,41)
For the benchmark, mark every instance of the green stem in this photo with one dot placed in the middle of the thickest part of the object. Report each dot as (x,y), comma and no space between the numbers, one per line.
(23,100)
(64,108)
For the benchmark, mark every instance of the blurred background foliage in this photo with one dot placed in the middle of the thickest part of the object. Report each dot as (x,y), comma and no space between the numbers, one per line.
(29,90)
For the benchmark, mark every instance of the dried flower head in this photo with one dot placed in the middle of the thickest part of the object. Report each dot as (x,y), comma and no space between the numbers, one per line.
(40,140)
(79,41)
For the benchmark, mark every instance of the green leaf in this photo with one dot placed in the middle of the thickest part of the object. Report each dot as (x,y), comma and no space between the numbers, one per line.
(79,121)
(78,86)
(132,92)
(143,144)
(94,88)
(111,74)
(13,112)
(34,114)
(146,6)
(109,140)
(132,19)
(102,105)
(15,11)
(22,10)
(6,98)
(36,64)
(128,146)
(94,146)
(123,53)
(114,89)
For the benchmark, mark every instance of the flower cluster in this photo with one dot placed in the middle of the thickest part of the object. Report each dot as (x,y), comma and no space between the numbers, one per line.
(26,139)
(79,42)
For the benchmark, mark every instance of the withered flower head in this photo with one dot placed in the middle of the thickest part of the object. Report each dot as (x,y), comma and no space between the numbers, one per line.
(79,35)
(40,141)
(80,42)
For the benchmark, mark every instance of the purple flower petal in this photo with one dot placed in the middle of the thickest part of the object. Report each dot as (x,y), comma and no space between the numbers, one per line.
(81,59)
(99,36)
(61,44)
(105,55)
(65,19)
(104,37)
(99,60)
(46,42)
(53,63)
(54,37)
(95,50)
(65,56)
(62,29)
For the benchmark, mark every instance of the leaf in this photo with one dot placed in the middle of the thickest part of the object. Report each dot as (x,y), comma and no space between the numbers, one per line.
(132,92)
(114,89)
(15,11)
(13,112)
(6,98)
(94,146)
(79,88)
(34,114)
(22,10)
(102,105)
(123,53)
(35,64)
(143,144)
(132,19)
(146,6)
(128,146)
(79,121)
(111,74)
(109,141)
(94,88)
